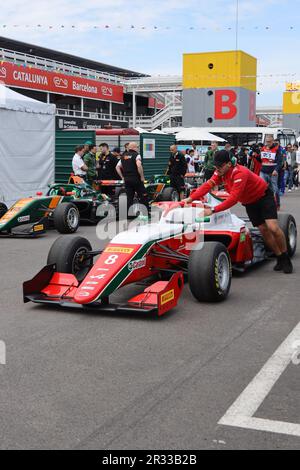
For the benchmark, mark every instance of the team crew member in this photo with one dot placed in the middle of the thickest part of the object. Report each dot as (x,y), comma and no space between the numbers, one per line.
(107,164)
(78,165)
(253,192)
(86,146)
(177,170)
(271,159)
(90,161)
(130,169)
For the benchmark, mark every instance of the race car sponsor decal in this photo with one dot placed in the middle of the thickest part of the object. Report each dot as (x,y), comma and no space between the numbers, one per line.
(38,228)
(167,297)
(118,249)
(25,218)
(137,264)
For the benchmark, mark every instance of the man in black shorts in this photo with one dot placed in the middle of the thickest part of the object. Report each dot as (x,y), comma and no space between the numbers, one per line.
(177,170)
(253,192)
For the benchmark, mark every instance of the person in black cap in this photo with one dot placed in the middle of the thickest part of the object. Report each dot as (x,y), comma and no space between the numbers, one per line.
(116,152)
(253,192)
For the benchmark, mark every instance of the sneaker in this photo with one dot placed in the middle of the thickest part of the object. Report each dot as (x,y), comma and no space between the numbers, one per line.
(287,265)
(289,190)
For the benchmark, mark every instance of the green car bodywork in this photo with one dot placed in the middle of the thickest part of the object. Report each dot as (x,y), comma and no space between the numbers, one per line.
(34,215)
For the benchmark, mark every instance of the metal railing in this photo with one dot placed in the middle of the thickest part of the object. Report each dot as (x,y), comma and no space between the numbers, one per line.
(54,65)
(153,122)
(91,115)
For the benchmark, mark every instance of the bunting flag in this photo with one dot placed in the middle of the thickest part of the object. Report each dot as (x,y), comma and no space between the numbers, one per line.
(151,27)
(276,78)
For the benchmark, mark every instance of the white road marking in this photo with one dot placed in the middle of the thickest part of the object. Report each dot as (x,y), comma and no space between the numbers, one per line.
(240,414)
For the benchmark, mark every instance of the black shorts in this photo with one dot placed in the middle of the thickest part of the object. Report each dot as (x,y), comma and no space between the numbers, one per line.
(177,182)
(262,210)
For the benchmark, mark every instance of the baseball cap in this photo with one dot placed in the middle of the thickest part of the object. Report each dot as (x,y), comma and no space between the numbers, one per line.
(88,142)
(221,157)
(117,150)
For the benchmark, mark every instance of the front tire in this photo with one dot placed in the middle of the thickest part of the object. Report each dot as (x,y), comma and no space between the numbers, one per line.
(209,272)
(69,256)
(288,225)
(66,218)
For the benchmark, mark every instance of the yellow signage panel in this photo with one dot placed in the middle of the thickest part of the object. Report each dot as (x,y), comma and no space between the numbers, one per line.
(291,102)
(219,69)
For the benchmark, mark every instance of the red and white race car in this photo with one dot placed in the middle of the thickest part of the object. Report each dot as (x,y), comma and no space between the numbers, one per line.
(182,245)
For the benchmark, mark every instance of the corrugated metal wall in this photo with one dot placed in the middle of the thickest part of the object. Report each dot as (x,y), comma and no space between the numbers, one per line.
(159,164)
(65,144)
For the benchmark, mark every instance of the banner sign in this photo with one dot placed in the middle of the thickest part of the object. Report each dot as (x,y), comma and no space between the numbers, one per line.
(55,82)
(154,103)
(81,123)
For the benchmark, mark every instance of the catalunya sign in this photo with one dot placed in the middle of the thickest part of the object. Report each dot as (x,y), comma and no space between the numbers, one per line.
(53,82)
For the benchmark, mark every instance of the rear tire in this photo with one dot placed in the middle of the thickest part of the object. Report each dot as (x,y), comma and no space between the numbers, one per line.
(3,209)
(209,272)
(66,218)
(67,253)
(169,194)
(288,225)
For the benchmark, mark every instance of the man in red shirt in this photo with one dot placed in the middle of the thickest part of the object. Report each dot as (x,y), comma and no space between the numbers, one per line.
(253,192)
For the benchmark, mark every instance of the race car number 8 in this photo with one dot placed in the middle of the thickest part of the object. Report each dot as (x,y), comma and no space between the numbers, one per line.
(111,259)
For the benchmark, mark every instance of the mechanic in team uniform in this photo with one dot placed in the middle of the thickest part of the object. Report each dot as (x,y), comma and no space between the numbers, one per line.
(130,169)
(107,164)
(254,193)
(90,161)
(177,170)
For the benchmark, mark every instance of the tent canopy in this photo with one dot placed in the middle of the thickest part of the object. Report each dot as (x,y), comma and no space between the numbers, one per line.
(13,101)
(27,145)
(197,134)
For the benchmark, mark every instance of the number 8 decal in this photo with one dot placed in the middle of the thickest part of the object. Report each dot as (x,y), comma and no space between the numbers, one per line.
(111,259)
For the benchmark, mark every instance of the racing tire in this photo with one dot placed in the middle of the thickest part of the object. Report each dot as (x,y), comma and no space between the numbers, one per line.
(66,218)
(67,253)
(210,272)
(169,194)
(288,225)
(3,209)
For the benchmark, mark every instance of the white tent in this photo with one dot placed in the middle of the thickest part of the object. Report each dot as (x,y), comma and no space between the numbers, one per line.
(193,134)
(27,145)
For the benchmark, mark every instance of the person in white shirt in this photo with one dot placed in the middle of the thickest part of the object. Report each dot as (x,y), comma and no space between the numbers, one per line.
(190,160)
(196,157)
(78,165)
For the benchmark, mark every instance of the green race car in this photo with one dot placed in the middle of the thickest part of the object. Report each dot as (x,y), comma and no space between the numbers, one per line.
(64,206)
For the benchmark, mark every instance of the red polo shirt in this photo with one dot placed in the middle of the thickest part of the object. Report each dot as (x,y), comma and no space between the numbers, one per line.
(242,185)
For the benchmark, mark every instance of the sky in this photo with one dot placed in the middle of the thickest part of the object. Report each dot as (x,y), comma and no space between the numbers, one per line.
(151,36)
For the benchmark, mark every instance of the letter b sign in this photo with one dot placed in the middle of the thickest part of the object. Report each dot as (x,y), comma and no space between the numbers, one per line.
(225,104)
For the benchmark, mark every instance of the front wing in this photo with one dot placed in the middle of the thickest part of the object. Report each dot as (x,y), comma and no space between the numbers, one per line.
(52,288)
